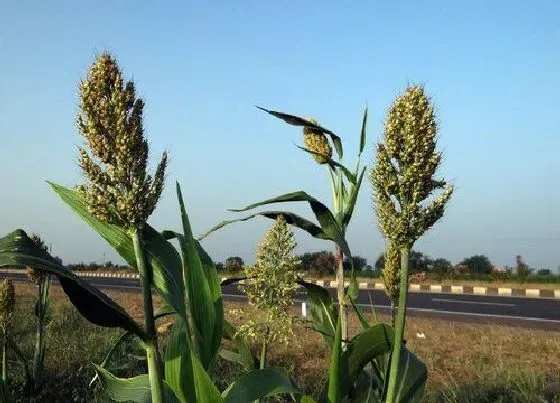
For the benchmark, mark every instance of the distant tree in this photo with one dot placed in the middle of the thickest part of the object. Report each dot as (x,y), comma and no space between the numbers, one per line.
(477,264)
(523,271)
(360,263)
(380,262)
(544,272)
(234,263)
(323,263)
(219,266)
(418,262)
(442,266)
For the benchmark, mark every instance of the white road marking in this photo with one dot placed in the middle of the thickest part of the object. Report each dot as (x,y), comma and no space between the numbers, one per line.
(470,302)
(530,319)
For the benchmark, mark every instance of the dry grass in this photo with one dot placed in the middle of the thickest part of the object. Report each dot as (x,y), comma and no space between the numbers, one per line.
(455,352)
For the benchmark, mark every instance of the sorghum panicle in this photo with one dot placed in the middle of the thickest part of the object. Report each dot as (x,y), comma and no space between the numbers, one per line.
(118,190)
(317,142)
(7,303)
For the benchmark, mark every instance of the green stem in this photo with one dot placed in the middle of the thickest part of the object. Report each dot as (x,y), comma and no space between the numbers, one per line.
(264,349)
(399,328)
(393,314)
(4,357)
(152,356)
(340,292)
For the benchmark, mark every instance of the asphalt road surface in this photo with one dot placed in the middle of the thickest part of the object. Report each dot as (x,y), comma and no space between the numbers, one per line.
(518,311)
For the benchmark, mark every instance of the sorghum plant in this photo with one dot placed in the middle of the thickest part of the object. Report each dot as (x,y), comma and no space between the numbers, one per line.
(403,180)
(7,305)
(118,189)
(390,276)
(345,188)
(270,287)
(43,282)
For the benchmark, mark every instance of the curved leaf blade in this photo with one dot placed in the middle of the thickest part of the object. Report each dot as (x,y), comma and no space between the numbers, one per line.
(363,132)
(259,384)
(364,348)
(352,199)
(413,375)
(136,389)
(291,218)
(160,254)
(328,222)
(243,355)
(17,249)
(322,311)
(204,293)
(299,121)
(336,382)
(349,175)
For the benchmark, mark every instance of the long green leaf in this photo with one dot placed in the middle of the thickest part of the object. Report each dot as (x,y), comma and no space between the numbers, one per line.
(136,389)
(178,367)
(121,340)
(243,355)
(258,384)
(204,293)
(299,121)
(365,347)
(412,378)
(336,383)
(322,311)
(17,249)
(160,255)
(333,164)
(363,132)
(325,217)
(351,200)
(291,218)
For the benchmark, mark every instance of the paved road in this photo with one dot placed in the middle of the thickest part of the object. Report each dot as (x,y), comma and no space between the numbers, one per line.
(526,312)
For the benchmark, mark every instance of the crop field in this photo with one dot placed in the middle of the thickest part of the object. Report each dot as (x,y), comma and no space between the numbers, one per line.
(465,361)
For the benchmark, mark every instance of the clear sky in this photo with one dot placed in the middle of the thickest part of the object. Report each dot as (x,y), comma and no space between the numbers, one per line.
(492,68)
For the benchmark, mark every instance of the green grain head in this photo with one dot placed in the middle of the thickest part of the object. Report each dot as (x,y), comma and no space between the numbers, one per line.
(317,142)
(118,189)
(34,275)
(271,283)
(7,303)
(403,175)
(391,271)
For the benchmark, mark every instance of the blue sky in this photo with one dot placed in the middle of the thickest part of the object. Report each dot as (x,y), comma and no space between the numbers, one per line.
(492,69)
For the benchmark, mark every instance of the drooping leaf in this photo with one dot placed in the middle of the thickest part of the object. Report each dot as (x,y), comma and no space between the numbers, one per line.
(204,293)
(332,163)
(363,132)
(336,382)
(161,256)
(299,121)
(123,338)
(17,249)
(371,343)
(351,200)
(136,389)
(243,355)
(258,384)
(164,310)
(322,311)
(325,217)
(412,378)
(291,218)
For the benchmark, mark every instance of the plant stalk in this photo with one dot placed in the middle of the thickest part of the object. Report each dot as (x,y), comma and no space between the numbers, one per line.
(393,314)
(399,328)
(340,291)
(4,357)
(152,356)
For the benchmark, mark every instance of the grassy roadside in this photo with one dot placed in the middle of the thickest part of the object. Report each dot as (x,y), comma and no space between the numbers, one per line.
(464,360)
